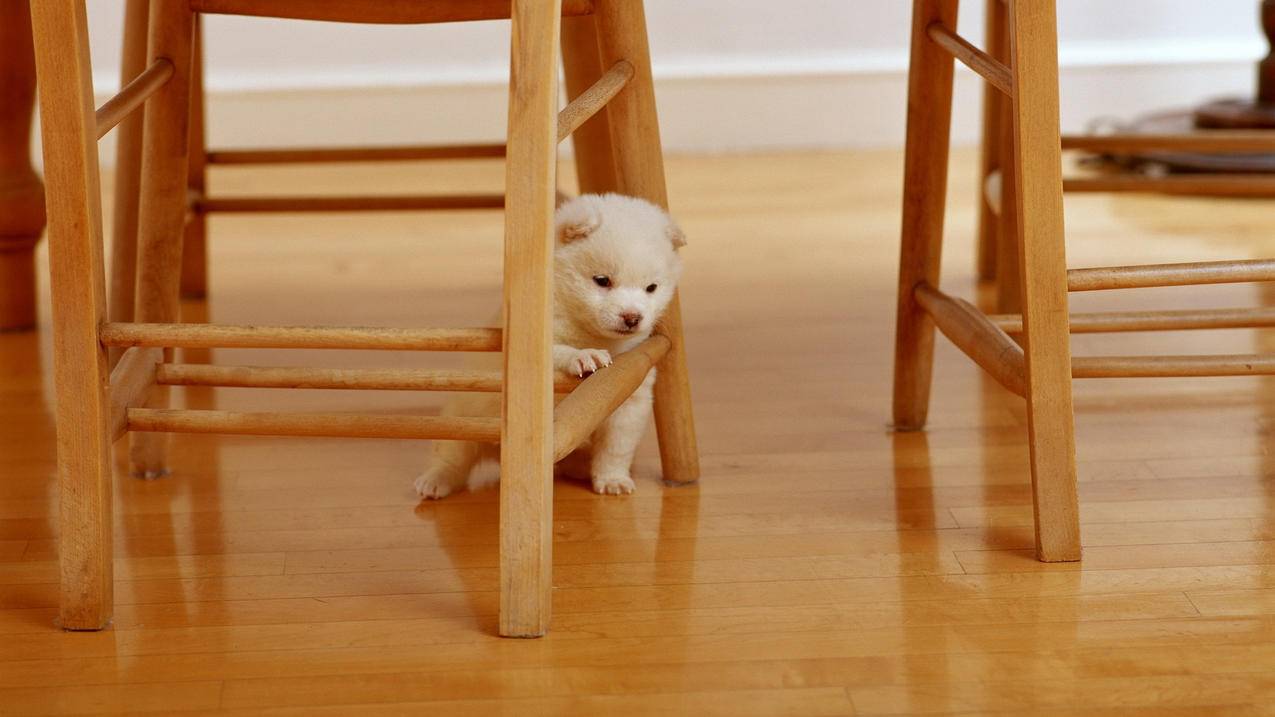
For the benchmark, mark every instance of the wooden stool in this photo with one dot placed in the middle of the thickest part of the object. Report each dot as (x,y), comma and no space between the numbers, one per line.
(1041,368)
(96,406)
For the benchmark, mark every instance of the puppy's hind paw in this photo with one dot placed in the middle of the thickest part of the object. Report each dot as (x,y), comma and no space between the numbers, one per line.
(613,485)
(587,361)
(431,486)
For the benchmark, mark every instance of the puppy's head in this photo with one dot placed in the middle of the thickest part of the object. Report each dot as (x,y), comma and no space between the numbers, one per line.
(616,264)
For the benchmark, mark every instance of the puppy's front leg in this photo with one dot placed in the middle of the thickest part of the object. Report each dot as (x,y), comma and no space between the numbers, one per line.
(616,441)
(579,362)
(453,462)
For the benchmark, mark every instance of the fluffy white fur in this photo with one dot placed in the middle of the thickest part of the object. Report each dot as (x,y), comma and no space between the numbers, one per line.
(615,269)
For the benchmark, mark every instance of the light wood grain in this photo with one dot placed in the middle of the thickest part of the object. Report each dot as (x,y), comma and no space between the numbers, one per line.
(383,11)
(985,343)
(1043,272)
(349,203)
(991,142)
(332,425)
(194,267)
(162,198)
(131,379)
(1211,141)
(1165,366)
(1166,320)
(133,94)
(1206,185)
(122,281)
(526,426)
(77,276)
(1009,290)
(986,66)
(336,378)
(930,72)
(303,575)
(300,337)
(582,66)
(1148,275)
(589,102)
(639,168)
(312,155)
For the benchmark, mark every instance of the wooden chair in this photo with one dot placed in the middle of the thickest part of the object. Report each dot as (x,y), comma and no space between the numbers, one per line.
(997,259)
(96,406)
(1041,368)
(593,163)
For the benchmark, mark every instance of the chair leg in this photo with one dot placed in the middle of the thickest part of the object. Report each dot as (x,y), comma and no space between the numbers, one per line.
(924,190)
(639,171)
(1046,333)
(526,445)
(21,193)
(194,279)
(60,30)
(1005,251)
(990,143)
(162,207)
(594,157)
(128,175)
(1009,294)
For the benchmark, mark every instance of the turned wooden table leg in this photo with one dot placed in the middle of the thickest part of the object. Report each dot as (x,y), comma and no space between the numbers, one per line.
(21,193)
(1248,113)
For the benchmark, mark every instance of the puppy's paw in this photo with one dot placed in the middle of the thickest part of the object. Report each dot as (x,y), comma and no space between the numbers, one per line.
(432,485)
(613,484)
(587,361)
(483,477)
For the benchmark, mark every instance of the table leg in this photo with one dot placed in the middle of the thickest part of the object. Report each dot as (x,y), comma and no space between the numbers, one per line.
(21,192)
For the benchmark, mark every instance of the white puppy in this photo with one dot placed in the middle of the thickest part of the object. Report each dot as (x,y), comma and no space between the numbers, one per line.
(615,269)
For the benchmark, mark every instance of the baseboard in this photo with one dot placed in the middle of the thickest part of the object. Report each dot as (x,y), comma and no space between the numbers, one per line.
(852,102)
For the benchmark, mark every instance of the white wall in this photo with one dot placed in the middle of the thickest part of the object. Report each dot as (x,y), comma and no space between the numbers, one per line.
(732,74)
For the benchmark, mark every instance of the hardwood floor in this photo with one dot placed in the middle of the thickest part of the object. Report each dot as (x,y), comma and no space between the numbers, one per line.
(823,566)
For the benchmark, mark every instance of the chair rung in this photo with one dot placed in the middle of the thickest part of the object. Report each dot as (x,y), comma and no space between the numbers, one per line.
(1225,185)
(1168,366)
(975,334)
(339,378)
(991,69)
(130,381)
(348,204)
(579,414)
(329,425)
(405,13)
(132,96)
(1115,321)
(1187,274)
(310,155)
(579,110)
(1220,141)
(211,336)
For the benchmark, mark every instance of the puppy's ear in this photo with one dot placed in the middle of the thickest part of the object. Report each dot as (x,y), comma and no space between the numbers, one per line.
(675,235)
(576,220)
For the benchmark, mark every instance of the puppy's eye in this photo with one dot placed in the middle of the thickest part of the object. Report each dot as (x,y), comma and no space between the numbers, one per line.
(651,289)
(602,281)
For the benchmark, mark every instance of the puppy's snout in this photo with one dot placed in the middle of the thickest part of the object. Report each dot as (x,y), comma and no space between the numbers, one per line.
(631,319)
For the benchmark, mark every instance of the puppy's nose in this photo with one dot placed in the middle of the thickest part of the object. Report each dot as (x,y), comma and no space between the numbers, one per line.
(631,320)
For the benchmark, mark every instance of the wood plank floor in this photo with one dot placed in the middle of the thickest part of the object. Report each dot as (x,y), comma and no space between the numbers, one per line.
(823,566)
